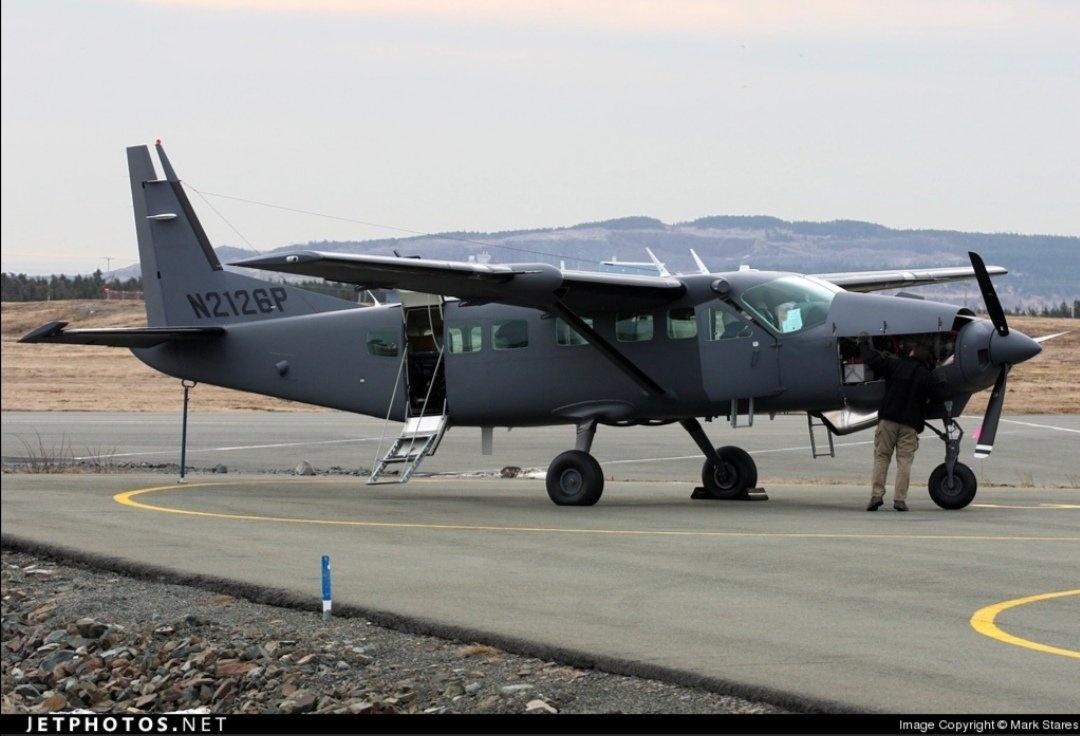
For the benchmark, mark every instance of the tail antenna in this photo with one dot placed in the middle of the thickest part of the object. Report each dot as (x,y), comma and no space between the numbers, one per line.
(170,173)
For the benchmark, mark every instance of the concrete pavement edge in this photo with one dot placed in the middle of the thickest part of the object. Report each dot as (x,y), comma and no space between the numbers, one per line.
(415,625)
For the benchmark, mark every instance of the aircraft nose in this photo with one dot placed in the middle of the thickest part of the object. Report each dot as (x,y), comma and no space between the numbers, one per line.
(1016,347)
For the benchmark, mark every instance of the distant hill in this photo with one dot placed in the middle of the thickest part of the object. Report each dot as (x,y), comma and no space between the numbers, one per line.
(1043,268)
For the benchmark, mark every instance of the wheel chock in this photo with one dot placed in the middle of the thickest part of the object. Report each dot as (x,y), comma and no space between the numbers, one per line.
(752,494)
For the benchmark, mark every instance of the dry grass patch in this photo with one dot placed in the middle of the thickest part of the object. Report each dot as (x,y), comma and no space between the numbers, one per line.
(91,378)
(1049,383)
(44,458)
(478,650)
(40,456)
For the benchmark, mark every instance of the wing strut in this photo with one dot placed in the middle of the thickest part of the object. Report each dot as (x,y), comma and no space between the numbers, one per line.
(635,374)
(609,351)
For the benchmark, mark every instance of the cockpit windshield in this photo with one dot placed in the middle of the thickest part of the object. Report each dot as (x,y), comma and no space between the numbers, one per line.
(790,303)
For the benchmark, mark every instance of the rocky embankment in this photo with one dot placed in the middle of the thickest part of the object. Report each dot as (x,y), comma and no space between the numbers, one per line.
(75,638)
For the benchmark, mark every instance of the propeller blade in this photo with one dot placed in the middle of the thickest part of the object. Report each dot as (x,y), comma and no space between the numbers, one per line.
(1044,338)
(985,444)
(989,295)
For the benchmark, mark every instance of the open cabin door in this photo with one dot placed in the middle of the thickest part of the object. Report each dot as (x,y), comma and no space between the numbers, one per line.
(424,335)
(426,415)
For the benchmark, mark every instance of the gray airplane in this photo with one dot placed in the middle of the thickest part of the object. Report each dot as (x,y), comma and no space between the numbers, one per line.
(530,344)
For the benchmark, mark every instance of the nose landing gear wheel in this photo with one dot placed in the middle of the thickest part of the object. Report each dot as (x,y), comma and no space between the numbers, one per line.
(733,477)
(959,493)
(574,478)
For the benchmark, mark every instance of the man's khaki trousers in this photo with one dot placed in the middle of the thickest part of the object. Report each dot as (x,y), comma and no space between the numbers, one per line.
(904,440)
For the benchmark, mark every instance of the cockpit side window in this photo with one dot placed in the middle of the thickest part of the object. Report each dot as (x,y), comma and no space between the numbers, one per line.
(726,324)
(789,303)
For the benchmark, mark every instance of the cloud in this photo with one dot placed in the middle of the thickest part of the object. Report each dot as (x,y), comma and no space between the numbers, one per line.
(732,16)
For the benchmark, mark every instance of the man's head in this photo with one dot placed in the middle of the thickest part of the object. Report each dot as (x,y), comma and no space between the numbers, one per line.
(920,353)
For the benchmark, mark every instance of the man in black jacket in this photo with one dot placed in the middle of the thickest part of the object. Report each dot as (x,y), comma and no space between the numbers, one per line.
(909,386)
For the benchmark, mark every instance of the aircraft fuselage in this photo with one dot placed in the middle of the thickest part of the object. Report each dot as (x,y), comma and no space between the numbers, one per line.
(544,373)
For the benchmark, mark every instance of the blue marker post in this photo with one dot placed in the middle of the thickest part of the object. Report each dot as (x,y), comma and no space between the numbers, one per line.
(326,587)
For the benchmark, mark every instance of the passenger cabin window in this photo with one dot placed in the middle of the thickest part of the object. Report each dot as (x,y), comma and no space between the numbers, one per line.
(725,324)
(681,323)
(465,338)
(790,303)
(383,342)
(567,335)
(633,327)
(510,334)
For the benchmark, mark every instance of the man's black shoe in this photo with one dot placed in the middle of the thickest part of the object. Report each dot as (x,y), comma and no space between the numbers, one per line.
(875,504)
(899,506)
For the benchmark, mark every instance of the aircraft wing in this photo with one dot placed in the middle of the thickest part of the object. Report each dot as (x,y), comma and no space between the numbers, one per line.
(120,337)
(878,280)
(536,285)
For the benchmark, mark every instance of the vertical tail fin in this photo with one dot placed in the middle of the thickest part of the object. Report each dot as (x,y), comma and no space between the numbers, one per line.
(183,280)
(141,170)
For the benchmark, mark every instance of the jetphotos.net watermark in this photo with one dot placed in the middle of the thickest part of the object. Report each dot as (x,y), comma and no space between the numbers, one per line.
(93,723)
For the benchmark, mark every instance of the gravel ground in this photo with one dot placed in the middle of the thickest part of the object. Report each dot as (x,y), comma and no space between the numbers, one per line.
(79,638)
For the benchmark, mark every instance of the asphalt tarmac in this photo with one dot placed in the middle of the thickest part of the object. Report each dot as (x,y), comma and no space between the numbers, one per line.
(1031,450)
(804,593)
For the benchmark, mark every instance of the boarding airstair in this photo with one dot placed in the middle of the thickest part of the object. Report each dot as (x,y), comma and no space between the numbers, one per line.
(419,438)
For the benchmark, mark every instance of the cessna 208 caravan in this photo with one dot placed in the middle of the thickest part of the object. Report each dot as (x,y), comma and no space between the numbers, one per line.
(529,344)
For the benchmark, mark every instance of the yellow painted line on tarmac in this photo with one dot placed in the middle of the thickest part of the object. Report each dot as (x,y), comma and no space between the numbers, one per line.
(1035,507)
(983,622)
(128,498)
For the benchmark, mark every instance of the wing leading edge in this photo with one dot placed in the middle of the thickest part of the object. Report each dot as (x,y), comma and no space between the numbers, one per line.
(900,278)
(536,285)
(540,285)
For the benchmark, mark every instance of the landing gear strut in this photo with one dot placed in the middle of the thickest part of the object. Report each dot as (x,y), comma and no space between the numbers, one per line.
(952,484)
(574,478)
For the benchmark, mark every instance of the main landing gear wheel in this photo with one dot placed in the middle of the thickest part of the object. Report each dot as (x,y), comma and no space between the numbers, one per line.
(574,478)
(733,477)
(959,493)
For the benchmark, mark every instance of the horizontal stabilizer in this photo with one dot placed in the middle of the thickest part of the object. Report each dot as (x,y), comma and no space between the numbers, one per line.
(120,337)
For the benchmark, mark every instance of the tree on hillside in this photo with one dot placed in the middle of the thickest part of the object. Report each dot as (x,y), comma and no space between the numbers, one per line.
(23,288)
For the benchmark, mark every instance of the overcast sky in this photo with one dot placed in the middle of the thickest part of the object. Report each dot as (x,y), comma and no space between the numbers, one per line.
(497,114)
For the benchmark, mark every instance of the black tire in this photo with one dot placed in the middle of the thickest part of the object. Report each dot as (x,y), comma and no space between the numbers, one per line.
(736,475)
(957,497)
(574,478)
